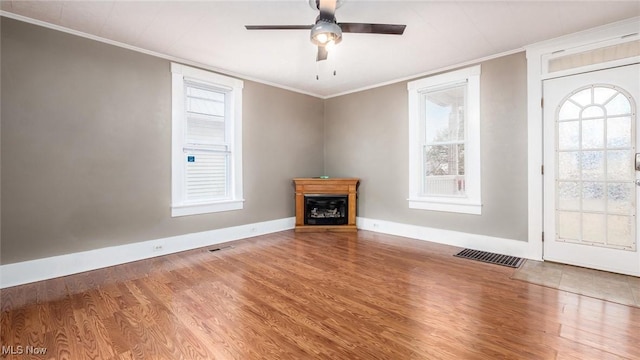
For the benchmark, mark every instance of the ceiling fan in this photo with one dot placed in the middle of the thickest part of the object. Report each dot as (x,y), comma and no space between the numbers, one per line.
(327,31)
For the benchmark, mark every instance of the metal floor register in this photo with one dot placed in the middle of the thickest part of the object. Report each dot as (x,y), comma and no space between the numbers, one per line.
(498,259)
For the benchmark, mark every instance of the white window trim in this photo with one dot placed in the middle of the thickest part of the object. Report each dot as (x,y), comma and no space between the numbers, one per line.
(471,203)
(178,206)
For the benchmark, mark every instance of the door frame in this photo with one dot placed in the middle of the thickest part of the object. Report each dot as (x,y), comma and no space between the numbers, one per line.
(538,56)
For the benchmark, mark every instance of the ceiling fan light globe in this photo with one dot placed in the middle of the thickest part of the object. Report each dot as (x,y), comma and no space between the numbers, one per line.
(322,38)
(324,32)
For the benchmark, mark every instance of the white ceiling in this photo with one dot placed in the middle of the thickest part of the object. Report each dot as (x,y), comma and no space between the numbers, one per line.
(438,34)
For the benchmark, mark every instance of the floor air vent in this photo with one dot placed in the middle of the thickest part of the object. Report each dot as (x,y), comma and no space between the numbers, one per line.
(498,259)
(221,248)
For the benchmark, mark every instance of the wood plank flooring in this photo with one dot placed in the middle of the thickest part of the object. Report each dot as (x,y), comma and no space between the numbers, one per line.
(311,296)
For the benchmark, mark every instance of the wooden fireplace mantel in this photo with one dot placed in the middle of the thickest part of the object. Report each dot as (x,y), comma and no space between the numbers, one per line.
(328,186)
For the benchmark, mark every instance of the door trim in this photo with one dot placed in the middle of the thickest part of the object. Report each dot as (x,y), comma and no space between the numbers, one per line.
(536,54)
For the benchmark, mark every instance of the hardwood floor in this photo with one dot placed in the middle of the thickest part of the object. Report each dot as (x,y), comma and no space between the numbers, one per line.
(311,296)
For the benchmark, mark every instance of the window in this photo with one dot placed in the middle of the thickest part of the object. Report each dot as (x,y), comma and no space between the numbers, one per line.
(444,141)
(206,142)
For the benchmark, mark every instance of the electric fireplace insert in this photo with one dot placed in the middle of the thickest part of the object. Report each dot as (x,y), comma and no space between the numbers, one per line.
(326,209)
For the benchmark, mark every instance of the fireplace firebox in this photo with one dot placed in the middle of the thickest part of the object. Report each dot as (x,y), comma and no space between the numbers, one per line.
(326,204)
(326,209)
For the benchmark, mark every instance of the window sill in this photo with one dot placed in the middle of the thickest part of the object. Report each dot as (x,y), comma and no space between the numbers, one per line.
(195,209)
(462,206)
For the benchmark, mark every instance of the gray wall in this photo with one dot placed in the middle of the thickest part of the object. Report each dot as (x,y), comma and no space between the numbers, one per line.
(366,136)
(86,144)
(85,141)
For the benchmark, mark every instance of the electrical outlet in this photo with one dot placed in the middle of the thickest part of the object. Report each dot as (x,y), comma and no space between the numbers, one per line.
(376,225)
(254,229)
(157,247)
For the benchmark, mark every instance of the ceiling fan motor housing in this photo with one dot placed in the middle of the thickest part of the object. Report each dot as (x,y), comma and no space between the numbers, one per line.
(324,32)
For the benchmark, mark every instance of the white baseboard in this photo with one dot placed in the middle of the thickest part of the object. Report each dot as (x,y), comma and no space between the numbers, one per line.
(449,237)
(63,265)
(48,268)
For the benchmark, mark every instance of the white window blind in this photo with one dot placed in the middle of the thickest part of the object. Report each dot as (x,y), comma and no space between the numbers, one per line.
(598,55)
(207,149)
(206,175)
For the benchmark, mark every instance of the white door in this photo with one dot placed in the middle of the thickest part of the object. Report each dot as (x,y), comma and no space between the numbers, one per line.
(590,191)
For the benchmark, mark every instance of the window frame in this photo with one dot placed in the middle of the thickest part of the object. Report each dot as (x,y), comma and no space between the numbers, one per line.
(471,202)
(233,126)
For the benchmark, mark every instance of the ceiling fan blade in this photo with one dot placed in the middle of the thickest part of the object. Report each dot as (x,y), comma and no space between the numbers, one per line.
(322,53)
(327,9)
(278,27)
(390,29)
